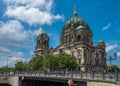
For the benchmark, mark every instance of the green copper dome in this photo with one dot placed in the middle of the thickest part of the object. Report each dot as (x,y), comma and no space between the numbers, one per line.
(101,41)
(42,33)
(75,22)
(80,27)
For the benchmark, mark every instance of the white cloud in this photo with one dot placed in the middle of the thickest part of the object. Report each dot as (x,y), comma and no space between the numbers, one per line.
(118,54)
(12,30)
(107,26)
(58,17)
(4,49)
(3,63)
(11,60)
(32,12)
(111,47)
(28,3)
(19,56)
(48,6)
(13,36)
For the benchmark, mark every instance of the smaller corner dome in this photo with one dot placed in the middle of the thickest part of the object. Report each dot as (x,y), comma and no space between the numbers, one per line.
(42,33)
(80,27)
(101,41)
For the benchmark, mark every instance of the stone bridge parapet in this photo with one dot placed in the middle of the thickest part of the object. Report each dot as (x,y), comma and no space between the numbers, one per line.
(91,79)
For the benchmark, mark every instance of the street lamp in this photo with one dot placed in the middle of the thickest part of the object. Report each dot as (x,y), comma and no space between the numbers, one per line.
(7,60)
(111,58)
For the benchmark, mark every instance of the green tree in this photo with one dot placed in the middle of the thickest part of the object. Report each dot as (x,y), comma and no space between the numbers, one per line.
(35,63)
(66,61)
(112,68)
(109,68)
(50,62)
(5,69)
(60,61)
(20,66)
(115,67)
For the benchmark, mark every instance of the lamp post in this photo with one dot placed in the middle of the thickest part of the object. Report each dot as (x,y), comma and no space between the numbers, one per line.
(112,58)
(7,60)
(25,64)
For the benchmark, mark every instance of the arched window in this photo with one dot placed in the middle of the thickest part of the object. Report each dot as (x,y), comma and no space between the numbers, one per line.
(72,37)
(65,40)
(79,52)
(88,38)
(78,38)
(39,41)
(68,39)
(61,51)
(97,60)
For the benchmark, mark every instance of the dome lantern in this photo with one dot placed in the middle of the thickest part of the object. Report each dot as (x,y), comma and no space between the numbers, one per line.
(75,11)
(101,43)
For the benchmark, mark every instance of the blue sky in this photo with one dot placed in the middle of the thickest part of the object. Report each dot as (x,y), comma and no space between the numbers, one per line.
(22,20)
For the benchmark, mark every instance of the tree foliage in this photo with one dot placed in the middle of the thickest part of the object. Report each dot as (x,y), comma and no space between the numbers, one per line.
(5,69)
(60,61)
(19,66)
(51,62)
(112,68)
(35,63)
(66,61)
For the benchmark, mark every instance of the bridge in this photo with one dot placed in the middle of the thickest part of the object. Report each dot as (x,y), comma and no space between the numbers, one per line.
(56,78)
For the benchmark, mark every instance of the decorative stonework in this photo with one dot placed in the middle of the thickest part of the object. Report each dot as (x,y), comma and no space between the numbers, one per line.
(42,46)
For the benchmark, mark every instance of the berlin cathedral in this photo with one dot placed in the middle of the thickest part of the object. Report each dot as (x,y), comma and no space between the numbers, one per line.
(76,40)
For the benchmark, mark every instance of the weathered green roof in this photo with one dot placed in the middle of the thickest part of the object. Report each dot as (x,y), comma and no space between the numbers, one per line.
(75,21)
(101,41)
(80,27)
(42,33)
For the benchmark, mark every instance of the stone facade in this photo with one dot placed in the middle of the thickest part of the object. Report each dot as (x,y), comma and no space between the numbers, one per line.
(76,40)
(42,47)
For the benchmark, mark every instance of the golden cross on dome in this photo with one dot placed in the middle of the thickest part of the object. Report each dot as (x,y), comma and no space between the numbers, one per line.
(75,12)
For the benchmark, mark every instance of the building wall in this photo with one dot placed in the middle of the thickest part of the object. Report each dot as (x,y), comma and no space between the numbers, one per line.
(86,56)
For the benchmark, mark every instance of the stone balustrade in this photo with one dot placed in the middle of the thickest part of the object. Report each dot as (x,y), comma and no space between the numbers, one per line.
(111,76)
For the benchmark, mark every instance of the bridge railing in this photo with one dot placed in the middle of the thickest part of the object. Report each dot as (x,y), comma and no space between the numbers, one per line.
(113,76)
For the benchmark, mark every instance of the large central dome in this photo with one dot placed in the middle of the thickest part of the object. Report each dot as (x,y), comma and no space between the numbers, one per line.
(76,22)
(76,30)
